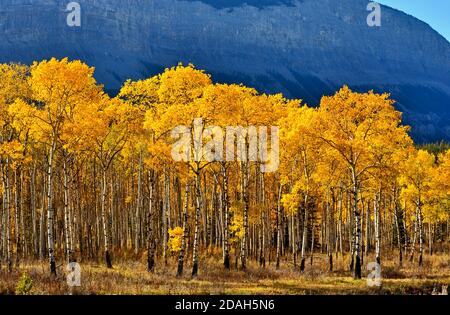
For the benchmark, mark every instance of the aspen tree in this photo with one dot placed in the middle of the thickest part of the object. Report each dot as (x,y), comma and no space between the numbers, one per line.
(353,124)
(416,179)
(59,86)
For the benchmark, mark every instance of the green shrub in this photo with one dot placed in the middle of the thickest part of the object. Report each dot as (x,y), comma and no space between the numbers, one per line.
(25,285)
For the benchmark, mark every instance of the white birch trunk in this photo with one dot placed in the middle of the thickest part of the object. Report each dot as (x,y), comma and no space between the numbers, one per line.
(50,211)
(105,222)
(195,249)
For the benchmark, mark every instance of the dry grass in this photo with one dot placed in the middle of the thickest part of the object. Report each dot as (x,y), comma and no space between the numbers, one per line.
(131,277)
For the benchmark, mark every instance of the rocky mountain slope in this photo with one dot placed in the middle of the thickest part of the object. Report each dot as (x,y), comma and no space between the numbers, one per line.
(303,48)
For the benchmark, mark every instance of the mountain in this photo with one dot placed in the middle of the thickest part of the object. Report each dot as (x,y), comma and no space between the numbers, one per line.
(303,48)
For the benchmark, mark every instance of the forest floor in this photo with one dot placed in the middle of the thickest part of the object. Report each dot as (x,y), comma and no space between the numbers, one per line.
(131,277)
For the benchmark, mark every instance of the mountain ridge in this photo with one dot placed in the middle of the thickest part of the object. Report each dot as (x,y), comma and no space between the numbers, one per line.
(304,49)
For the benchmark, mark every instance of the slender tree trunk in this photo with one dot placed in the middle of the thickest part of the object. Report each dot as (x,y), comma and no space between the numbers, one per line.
(351,231)
(405,231)
(166,209)
(377,228)
(420,223)
(67,220)
(204,207)
(246,207)
(357,226)
(185,232)
(262,240)
(368,228)
(50,211)
(397,225)
(24,232)
(293,241)
(17,230)
(430,239)
(414,239)
(7,210)
(2,220)
(305,233)
(197,223)
(213,223)
(225,207)
(42,223)
(105,222)
(138,206)
(279,227)
(311,217)
(34,234)
(265,224)
(340,223)
(2,227)
(330,224)
(150,234)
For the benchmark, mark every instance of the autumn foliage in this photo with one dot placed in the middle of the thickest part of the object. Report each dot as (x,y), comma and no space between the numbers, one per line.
(87,175)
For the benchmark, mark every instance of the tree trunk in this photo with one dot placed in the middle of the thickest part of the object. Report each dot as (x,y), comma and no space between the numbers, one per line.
(150,237)
(351,231)
(293,242)
(311,217)
(399,235)
(367,237)
(17,230)
(377,227)
(34,235)
(166,209)
(304,236)
(246,207)
(430,239)
(262,241)
(330,232)
(225,207)
(197,223)
(414,239)
(138,206)
(42,227)
(185,232)
(105,222)
(279,227)
(420,223)
(67,221)
(50,211)
(357,227)
(340,223)
(7,210)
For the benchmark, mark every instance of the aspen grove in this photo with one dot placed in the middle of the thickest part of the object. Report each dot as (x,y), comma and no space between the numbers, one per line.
(86,176)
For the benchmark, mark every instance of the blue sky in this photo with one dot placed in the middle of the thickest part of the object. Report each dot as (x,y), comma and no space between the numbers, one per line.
(434,12)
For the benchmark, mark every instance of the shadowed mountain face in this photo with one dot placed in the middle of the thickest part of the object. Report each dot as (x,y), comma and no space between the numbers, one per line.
(303,48)
(221,4)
